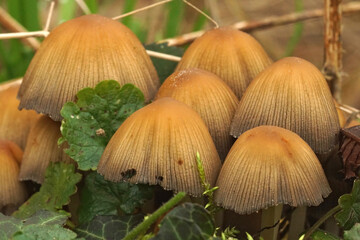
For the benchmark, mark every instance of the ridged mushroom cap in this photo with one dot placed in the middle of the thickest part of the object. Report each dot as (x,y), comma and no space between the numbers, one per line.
(293,94)
(12,191)
(41,149)
(14,124)
(80,53)
(210,97)
(158,144)
(268,166)
(234,56)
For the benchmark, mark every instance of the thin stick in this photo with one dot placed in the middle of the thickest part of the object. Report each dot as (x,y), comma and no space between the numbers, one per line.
(9,23)
(83,6)
(164,56)
(332,45)
(141,9)
(48,20)
(24,35)
(201,12)
(268,22)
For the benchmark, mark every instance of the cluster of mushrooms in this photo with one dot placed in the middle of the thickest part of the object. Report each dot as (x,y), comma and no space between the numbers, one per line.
(225,86)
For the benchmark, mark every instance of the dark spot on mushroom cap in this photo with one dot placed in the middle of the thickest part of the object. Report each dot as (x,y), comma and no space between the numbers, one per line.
(287,146)
(159,178)
(180,162)
(128,173)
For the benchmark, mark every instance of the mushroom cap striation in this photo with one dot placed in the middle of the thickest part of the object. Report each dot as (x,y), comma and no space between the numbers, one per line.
(293,94)
(210,97)
(12,191)
(234,56)
(268,166)
(158,144)
(14,124)
(41,149)
(80,53)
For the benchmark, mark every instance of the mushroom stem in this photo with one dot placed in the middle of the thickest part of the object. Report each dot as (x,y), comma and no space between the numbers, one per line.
(297,222)
(270,218)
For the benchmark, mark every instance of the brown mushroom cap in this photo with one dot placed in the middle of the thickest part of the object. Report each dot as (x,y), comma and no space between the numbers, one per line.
(158,144)
(14,124)
(210,97)
(268,166)
(293,94)
(80,53)
(41,149)
(235,56)
(12,191)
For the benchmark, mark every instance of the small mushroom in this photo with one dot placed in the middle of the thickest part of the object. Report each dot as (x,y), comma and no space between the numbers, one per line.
(80,53)
(293,94)
(12,191)
(210,97)
(14,124)
(41,149)
(158,144)
(235,56)
(269,166)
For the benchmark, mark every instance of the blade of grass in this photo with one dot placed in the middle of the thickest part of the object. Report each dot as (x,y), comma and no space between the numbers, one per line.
(129,6)
(29,15)
(200,22)
(174,18)
(297,32)
(92,5)
(67,10)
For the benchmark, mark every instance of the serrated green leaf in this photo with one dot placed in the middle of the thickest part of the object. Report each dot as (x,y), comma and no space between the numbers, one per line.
(43,225)
(108,227)
(164,67)
(350,207)
(187,221)
(322,235)
(101,197)
(89,123)
(353,233)
(59,184)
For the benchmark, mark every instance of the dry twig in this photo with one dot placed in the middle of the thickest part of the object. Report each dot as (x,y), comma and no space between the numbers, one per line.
(265,23)
(332,46)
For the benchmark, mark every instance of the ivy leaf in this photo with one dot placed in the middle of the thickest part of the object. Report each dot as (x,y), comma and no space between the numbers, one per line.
(89,123)
(59,184)
(350,205)
(187,221)
(43,225)
(353,233)
(101,197)
(322,235)
(108,227)
(164,67)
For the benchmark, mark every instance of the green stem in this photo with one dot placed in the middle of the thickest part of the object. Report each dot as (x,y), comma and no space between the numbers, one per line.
(321,221)
(148,221)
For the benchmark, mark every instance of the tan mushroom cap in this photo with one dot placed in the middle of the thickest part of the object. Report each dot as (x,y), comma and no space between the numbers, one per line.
(210,97)
(158,144)
(293,94)
(41,149)
(12,191)
(235,56)
(14,124)
(80,53)
(268,166)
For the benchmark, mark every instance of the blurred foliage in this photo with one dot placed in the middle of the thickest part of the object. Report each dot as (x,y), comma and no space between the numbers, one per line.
(15,56)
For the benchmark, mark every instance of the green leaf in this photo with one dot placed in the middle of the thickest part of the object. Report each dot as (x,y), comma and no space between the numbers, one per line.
(43,225)
(322,235)
(108,227)
(174,18)
(187,221)
(89,123)
(67,10)
(59,184)
(350,207)
(101,197)
(164,67)
(353,233)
